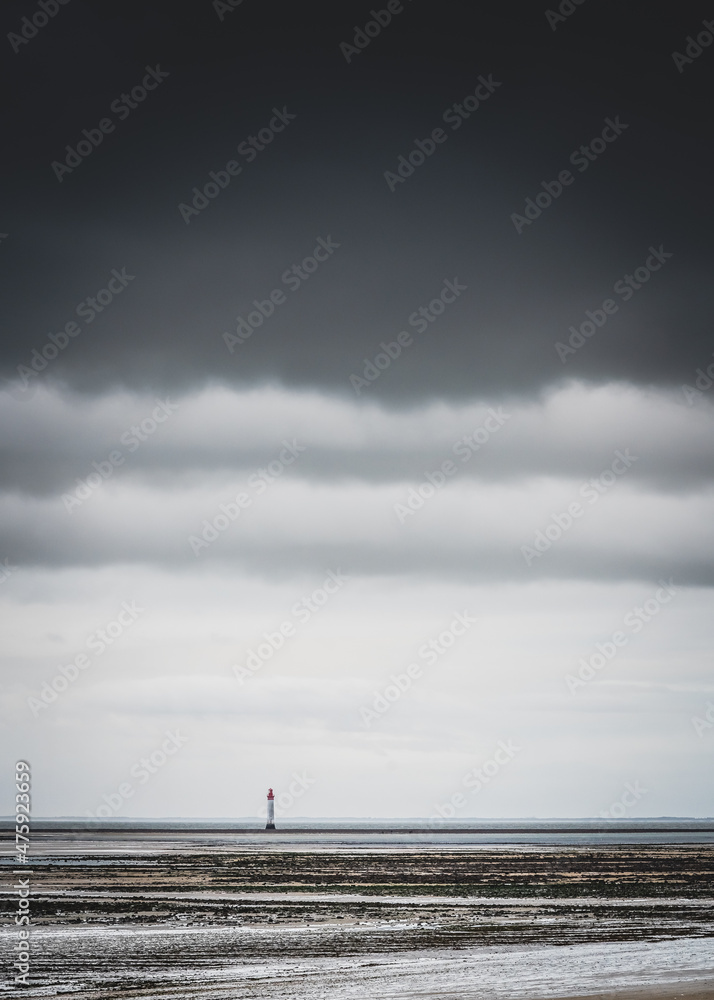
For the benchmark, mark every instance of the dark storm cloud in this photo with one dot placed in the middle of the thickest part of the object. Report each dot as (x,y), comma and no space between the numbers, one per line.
(323,176)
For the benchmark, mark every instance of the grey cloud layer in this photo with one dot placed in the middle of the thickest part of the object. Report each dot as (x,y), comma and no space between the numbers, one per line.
(462,491)
(470,532)
(52,440)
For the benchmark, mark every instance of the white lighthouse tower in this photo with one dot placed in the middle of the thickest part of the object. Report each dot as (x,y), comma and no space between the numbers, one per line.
(270,825)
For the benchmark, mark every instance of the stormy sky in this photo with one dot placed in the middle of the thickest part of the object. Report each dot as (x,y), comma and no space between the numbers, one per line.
(356,372)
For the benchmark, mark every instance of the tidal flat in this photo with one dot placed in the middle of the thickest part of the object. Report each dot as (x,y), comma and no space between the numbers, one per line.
(141,915)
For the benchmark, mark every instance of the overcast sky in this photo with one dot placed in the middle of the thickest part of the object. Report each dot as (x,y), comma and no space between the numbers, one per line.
(357,424)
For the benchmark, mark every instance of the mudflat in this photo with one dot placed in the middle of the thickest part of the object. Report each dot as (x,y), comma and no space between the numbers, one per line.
(189,917)
(684,991)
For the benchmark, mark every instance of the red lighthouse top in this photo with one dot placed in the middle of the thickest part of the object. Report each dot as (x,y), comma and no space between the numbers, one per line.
(270,793)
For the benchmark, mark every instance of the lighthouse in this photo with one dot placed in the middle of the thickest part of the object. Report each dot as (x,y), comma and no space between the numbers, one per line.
(270,825)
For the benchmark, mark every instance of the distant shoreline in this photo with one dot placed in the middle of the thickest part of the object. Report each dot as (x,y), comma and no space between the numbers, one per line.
(538,827)
(152,829)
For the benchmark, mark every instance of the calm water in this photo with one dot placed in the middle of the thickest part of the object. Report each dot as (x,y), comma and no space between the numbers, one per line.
(55,835)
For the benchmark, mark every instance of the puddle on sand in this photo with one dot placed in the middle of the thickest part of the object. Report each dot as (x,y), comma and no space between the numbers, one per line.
(207,964)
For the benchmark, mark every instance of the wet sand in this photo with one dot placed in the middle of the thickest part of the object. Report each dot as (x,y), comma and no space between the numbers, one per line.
(693,991)
(227,919)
